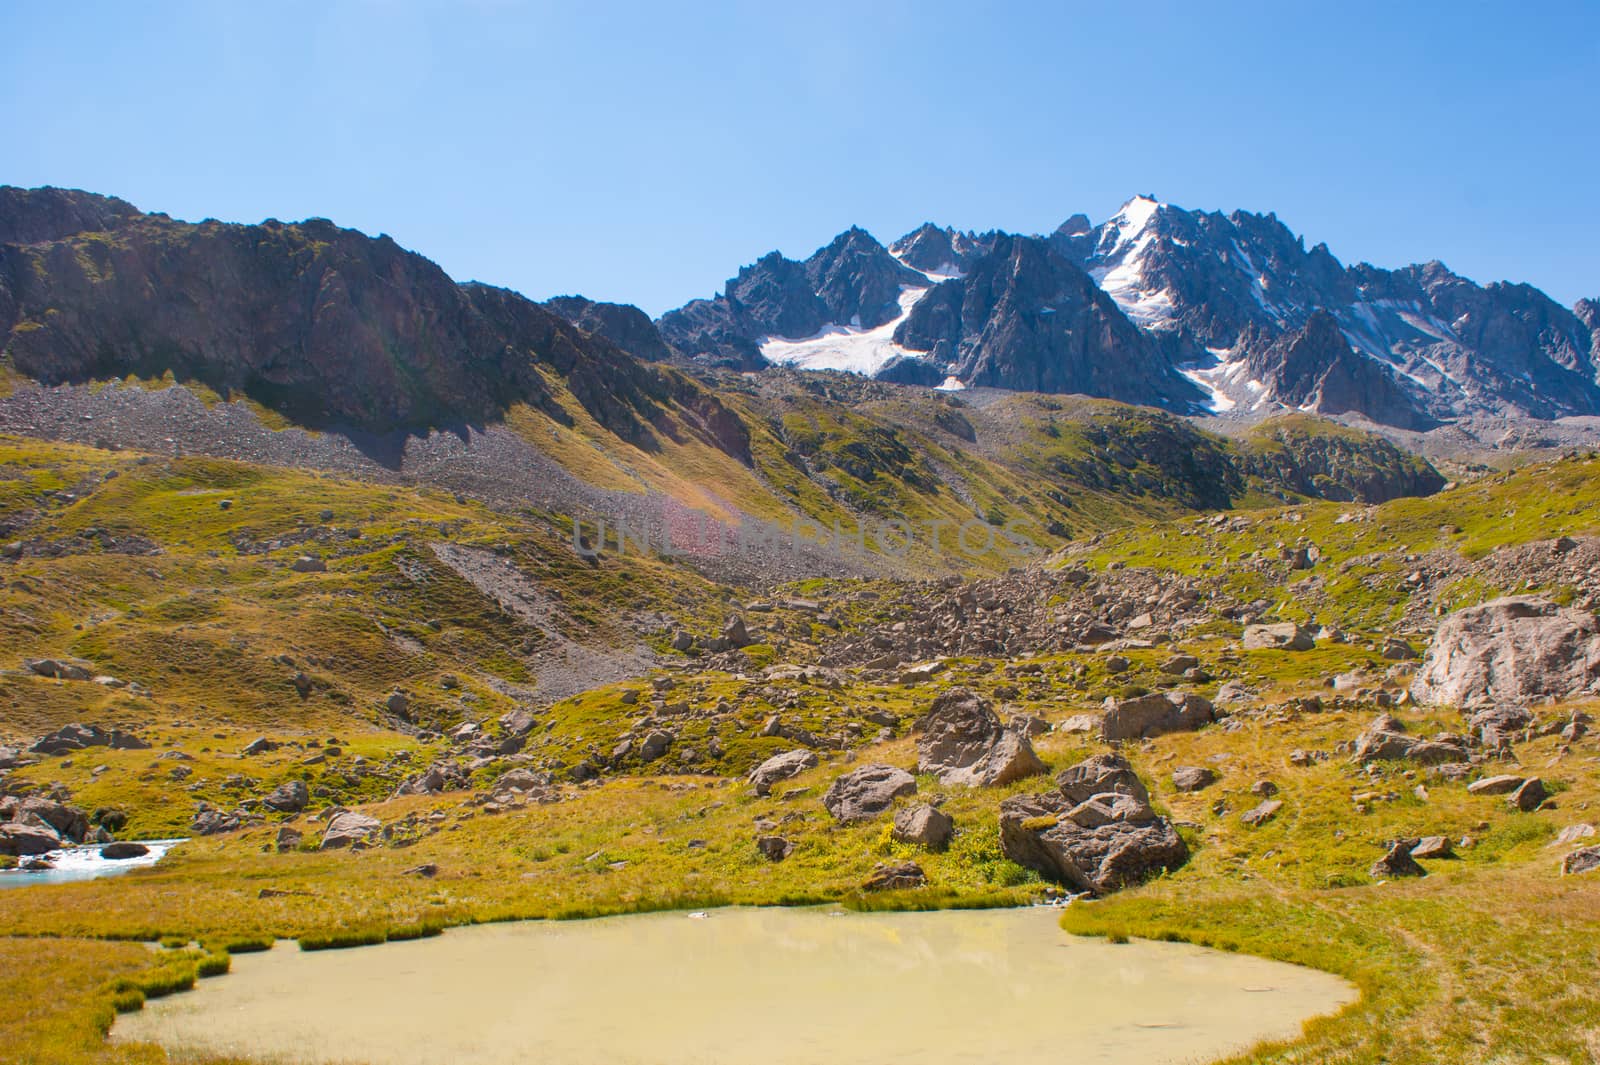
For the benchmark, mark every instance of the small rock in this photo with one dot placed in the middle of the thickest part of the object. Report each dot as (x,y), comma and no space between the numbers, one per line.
(1263,813)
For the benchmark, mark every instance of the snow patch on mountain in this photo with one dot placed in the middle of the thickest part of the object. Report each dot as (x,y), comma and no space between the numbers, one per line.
(846,347)
(1120,270)
(1227,381)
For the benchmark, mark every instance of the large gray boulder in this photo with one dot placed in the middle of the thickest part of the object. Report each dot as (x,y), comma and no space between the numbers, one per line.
(1099,774)
(1096,833)
(350,828)
(69,823)
(290,797)
(1077,845)
(781,767)
(1386,740)
(924,825)
(1282,636)
(1511,650)
(864,793)
(26,840)
(963,741)
(1151,715)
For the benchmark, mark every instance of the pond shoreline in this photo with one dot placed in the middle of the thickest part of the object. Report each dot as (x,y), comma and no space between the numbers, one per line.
(725,986)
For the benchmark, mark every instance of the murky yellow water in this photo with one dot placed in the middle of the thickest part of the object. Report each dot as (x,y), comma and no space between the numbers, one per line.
(745,986)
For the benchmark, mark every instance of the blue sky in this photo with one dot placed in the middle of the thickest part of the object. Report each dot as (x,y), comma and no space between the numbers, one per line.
(643,152)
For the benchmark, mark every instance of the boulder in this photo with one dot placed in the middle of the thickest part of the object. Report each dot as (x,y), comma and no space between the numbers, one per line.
(18,840)
(121,852)
(1529,796)
(1193,778)
(523,780)
(290,797)
(1585,860)
(1100,774)
(309,564)
(895,876)
(864,793)
(963,742)
(1504,784)
(655,745)
(1262,813)
(212,822)
(1284,636)
(1386,741)
(1510,650)
(1398,862)
(780,767)
(59,668)
(350,828)
(1499,725)
(288,839)
(259,745)
(69,738)
(924,825)
(1044,833)
(71,824)
(1433,847)
(437,778)
(1152,715)
(734,633)
(774,848)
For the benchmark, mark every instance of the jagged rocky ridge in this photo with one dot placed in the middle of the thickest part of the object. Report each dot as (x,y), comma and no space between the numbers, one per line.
(1194,311)
(327,325)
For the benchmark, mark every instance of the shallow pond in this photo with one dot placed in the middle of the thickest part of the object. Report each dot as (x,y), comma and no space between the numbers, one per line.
(85,863)
(776,986)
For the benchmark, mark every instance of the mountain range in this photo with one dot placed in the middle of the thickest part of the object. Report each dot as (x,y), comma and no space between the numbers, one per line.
(1196,312)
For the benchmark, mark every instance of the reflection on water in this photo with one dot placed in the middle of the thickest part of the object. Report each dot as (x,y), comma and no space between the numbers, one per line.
(775,986)
(85,863)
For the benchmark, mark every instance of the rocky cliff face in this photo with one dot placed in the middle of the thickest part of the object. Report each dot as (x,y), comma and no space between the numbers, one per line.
(1025,318)
(327,325)
(623,324)
(852,282)
(1323,459)
(1200,310)
(1315,369)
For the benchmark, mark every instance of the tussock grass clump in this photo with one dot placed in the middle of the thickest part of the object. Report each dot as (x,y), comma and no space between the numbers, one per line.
(344,938)
(243,945)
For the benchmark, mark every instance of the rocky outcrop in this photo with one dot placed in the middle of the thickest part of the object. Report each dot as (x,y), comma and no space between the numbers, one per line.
(70,738)
(325,325)
(1321,458)
(1023,317)
(865,793)
(1511,650)
(1096,833)
(853,281)
(1315,369)
(623,324)
(962,742)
